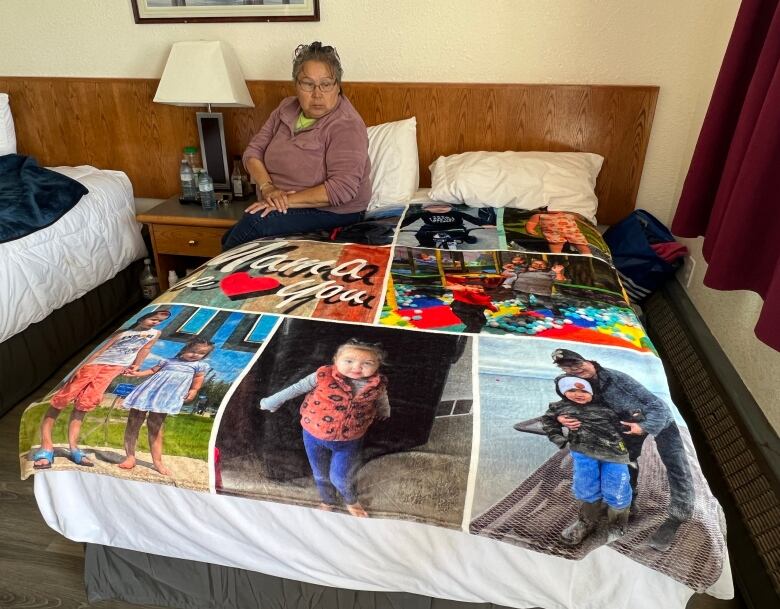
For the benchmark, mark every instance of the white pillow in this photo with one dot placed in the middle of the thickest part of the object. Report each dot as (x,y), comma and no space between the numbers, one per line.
(560,181)
(395,167)
(7,134)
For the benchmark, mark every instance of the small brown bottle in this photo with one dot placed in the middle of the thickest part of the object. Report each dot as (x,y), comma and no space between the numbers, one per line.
(239,180)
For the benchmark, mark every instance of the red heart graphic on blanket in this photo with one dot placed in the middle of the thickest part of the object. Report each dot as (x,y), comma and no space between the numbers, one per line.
(239,286)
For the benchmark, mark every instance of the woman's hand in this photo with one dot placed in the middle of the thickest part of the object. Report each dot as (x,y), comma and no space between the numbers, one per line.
(261,206)
(273,199)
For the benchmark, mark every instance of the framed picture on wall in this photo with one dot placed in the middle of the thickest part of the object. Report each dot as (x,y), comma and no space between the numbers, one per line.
(186,11)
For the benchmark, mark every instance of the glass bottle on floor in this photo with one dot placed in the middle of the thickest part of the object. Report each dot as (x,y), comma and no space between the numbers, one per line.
(149,286)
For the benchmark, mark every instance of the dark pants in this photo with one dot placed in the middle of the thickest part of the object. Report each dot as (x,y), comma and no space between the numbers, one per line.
(299,220)
(471,315)
(333,464)
(678,472)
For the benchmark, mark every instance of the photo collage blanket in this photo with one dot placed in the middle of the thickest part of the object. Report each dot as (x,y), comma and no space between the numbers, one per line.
(478,369)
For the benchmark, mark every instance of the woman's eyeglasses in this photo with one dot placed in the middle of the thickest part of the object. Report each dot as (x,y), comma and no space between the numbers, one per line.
(326,86)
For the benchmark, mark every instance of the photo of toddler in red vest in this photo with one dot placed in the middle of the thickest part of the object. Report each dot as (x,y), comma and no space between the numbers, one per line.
(342,400)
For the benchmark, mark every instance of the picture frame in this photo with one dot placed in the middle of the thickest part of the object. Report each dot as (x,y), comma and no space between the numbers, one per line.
(221,11)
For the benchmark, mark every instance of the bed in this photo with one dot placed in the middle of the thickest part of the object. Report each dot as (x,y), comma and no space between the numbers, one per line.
(82,255)
(66,281)
(466,495)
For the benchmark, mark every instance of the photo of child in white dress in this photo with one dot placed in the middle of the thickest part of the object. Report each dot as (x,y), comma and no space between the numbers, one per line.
(173,381)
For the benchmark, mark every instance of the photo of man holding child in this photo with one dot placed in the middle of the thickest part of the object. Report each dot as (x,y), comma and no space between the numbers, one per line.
(586,448)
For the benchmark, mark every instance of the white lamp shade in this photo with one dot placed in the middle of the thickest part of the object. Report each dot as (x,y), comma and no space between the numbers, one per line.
(203,72)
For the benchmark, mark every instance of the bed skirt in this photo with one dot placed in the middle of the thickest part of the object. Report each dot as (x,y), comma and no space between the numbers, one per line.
(147,579)
(31,356)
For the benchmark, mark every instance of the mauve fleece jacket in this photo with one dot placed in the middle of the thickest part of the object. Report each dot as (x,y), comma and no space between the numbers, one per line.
(333,152)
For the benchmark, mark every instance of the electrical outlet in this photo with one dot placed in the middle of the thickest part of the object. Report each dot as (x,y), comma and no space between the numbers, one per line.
(687,271)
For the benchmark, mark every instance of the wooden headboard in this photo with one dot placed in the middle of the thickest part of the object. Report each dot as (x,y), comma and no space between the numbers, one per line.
(113,124)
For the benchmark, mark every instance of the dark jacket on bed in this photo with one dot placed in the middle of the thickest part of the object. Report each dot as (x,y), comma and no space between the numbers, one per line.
(599,435)
(32,197)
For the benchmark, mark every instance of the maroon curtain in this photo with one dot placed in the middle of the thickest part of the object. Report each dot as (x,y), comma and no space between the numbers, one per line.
(731,195)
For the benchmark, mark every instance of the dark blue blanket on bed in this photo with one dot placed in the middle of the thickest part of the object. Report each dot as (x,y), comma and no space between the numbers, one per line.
(32,197)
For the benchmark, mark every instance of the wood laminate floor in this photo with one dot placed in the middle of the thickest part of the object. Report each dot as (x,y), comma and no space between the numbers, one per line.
(39,568)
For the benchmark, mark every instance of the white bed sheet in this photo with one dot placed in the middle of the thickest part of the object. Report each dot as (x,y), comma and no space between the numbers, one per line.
(338,550)
(60,263)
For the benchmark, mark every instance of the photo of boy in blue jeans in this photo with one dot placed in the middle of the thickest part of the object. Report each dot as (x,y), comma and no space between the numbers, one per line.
(599,455)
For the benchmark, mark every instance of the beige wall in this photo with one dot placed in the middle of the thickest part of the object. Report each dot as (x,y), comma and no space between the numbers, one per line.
(676,44)
(527,41)
(731,317)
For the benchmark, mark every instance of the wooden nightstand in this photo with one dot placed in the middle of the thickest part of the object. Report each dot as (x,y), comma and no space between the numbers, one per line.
(184,235)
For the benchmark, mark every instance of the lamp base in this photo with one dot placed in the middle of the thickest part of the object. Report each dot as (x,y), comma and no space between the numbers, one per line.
(212,145)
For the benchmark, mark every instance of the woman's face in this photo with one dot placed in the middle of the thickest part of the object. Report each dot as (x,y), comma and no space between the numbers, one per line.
(316,103)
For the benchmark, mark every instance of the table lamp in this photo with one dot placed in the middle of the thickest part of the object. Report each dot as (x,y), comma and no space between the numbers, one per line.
(206,73)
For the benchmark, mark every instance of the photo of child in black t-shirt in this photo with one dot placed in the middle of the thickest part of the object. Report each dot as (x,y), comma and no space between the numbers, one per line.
(448,226)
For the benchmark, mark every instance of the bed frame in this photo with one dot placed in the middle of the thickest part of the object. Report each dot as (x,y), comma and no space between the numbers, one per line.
(114,124)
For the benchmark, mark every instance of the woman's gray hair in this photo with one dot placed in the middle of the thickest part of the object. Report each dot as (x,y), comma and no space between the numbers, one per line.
(317,52)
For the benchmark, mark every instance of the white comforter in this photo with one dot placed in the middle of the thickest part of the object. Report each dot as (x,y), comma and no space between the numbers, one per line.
(329,549)
(87,246)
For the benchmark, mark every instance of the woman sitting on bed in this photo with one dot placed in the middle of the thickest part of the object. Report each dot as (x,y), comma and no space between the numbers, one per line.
(310,158)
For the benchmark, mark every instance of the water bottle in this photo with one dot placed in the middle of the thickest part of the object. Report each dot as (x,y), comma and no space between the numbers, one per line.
(189,189)
(206,191)
(149,286)
(197,173)
(192,157)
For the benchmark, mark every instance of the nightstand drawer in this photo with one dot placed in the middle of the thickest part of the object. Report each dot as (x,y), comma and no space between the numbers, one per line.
(187,240)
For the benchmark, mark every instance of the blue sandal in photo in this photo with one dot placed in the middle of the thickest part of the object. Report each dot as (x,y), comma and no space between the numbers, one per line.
(79,458)
(43,454)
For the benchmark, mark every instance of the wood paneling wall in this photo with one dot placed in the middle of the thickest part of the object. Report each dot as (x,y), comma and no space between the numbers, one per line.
(113,124)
